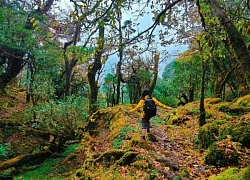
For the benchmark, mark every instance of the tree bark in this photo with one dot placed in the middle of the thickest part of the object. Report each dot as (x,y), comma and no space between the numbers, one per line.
(12,63)
(202,118)
(235,39)
(119,64)
(93,69)
(155,72)
(69,65)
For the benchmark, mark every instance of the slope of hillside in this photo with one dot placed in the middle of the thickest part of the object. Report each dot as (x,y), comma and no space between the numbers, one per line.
(176,148)
(114,149)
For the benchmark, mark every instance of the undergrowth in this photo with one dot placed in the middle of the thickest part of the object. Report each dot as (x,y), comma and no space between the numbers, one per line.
(49,169)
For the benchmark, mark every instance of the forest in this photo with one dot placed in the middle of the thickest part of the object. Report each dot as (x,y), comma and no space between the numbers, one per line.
(71,71)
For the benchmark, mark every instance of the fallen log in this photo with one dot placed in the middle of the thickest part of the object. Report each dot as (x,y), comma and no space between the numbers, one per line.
(22,159)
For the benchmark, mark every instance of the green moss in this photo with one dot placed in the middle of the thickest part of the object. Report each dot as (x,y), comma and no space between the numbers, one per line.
(233,173)
(72,148)
(220,121)
(43,172)
(239,131)
(207,134)
(213,100)
(173,119)
(118,141)
(243,101)
(216,157)
(4,150)
(246,172)
(157,121)
(230,108)
(48,169)
(223,106)
(184,173)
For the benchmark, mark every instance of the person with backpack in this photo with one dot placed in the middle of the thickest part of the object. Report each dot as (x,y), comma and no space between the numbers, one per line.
(149,104)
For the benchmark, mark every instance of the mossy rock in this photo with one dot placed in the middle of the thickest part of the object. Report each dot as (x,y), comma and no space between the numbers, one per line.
(213,100)
(173,119)
(185,110)
(135,141)
(239,131)
(217,157)
(243,101)
(142,164)
(231,108)
(207,134)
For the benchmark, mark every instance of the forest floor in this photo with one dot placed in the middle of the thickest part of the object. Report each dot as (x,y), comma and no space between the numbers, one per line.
(171,150)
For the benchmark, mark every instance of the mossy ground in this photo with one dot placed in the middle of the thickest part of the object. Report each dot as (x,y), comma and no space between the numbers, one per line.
(52,168)
(114,149)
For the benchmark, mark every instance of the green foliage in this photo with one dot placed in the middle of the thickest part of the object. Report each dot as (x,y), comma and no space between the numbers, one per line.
(82,53)
(118,141)
(4,149)
(109,87)
(59,116)
(157,121)
(43,81)
(40,173)
(48,169)
(13,32)
(72,148)
(163,92)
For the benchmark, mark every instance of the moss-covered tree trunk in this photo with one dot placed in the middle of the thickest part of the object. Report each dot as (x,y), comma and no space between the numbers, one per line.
(191,89)
(119,64)
(202,118)
(155,72)
(11,64)
(235,39)
(93,69)
(70,64)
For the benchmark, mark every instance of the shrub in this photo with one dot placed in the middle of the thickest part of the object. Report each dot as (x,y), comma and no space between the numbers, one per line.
(58,116)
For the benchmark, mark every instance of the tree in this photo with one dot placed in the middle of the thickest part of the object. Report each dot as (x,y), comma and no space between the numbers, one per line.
(94,68)
(15,45)
(235,39)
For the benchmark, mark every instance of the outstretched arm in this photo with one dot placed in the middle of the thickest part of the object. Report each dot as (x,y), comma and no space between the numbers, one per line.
(138,106)
(158,103)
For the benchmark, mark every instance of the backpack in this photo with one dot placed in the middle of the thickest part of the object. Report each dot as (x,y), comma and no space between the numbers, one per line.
(149,108)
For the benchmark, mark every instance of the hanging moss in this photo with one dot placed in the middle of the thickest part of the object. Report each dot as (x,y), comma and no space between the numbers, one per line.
(207,134)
